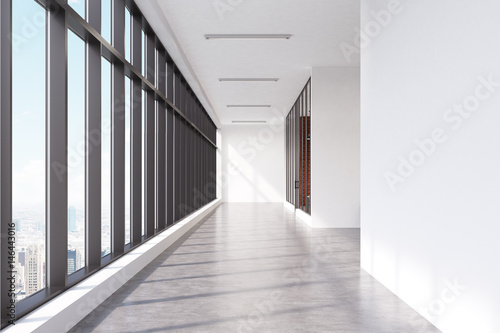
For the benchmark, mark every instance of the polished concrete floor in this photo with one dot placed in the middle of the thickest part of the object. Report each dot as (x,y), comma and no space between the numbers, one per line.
(255,268)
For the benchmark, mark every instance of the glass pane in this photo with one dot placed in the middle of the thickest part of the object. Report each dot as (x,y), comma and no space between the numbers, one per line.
(143,59)
(127,159)
(127,34)
(78,6)
(76,153)
(105,157)
(156,68)
(143,160)
(106,20)
(28,145)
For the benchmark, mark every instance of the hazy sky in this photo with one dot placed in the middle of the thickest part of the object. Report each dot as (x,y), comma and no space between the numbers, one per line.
(29,118)
(28,79)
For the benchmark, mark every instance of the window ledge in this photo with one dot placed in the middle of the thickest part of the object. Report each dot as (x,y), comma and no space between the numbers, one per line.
(69,308)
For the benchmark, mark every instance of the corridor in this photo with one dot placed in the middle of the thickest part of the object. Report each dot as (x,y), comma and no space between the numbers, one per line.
(255,268)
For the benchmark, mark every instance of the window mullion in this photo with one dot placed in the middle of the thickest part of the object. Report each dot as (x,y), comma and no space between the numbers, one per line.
(118,131)
(5,150)
(57,181)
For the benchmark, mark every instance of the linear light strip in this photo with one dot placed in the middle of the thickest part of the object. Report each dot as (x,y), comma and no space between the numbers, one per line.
(249,79)
(248,106)
(249,121)
(248,36)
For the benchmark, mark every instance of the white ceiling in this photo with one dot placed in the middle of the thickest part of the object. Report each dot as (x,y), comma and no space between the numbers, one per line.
(317,28)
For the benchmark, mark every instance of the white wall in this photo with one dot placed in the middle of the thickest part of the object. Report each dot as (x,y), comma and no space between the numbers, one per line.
(253,158)
(335,148)
(430,231)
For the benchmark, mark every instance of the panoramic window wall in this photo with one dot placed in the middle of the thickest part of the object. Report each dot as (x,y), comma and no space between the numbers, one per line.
(104,144)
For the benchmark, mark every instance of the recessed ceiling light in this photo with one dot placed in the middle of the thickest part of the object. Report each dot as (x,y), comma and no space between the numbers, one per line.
(248,106)
(248,36)
(249,79)
(249,121)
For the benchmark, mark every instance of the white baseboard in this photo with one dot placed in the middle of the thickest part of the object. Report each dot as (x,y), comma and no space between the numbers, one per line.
(289,206)
(306,218)
(69,308)
(303,216)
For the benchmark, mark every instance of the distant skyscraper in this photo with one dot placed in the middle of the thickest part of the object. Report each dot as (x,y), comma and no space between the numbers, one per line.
(71,261)
(74,260)
(21,257)
(79,261)
(71,219)
(33,269)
